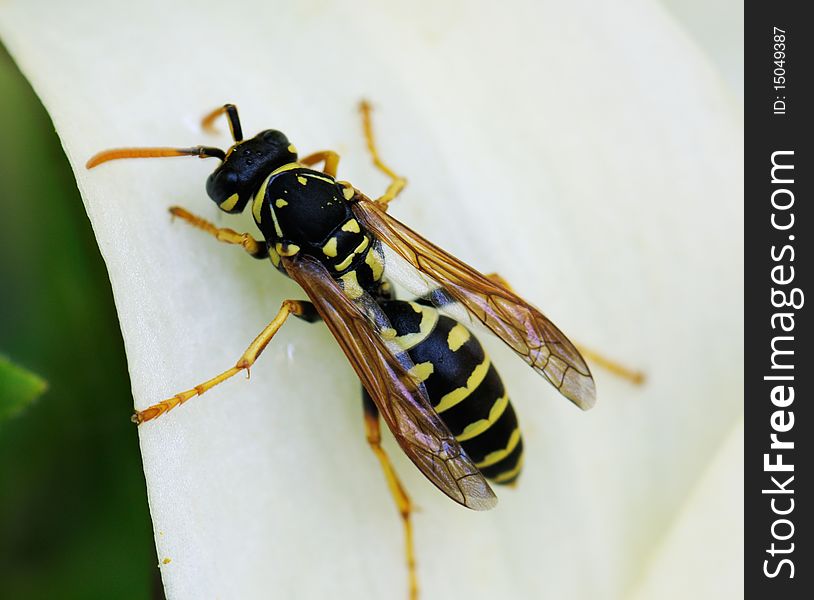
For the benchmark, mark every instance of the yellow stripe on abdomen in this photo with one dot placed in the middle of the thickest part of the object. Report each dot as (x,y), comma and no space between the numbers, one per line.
(475,429)
(510,474)
(429,319)
(498,455)
(459,395)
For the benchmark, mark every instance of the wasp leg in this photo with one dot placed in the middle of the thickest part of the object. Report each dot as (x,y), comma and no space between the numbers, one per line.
(635,377)
(230,110)
(397,182)
(289,307)
(610,365)
(223,234)
(328,157)
(403,503)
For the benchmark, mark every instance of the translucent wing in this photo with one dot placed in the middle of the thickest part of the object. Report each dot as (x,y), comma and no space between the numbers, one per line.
(400,398)
(524,328)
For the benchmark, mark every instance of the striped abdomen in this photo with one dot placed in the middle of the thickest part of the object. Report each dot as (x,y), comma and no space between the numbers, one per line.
(463,386)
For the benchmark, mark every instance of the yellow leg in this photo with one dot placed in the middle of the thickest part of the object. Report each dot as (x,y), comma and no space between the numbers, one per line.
(635,377)
(254,350)
(397,182)
(401,498)
(222,234)
(328,157)
(610,365)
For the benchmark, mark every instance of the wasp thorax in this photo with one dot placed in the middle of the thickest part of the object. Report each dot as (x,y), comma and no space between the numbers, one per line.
(246,165)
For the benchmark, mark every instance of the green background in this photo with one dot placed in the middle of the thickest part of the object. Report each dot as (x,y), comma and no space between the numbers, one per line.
(73,508)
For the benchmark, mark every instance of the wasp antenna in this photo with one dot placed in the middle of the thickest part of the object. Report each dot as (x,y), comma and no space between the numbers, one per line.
(230,110)
(118,153)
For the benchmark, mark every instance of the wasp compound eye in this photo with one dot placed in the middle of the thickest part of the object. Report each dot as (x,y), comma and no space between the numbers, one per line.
(224,187)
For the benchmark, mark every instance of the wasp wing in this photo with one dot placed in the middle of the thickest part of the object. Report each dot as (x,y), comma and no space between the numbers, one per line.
(524,328)
(400,398)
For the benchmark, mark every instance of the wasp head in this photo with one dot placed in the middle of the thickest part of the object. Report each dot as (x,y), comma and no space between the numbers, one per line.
(245,167)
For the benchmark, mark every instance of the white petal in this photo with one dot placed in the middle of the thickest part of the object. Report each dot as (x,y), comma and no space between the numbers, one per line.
(712,519)
(717,27)
(584,150)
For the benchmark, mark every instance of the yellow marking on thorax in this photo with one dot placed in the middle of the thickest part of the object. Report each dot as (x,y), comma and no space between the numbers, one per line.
(302,180)
(277,228)
(375,262)
(458,395)
(351,285)
(345,263)
(347,190)
(509,475)
(286,249)
(257,206)
(230,202)
(280,202)
(275,258)
(292,148)
(352,225)
(362,245)
(349,258)
(498,455)
(481,425)
(329,249)
(320,177)
(287,167)
(422,371)
(457,337)
(429,319)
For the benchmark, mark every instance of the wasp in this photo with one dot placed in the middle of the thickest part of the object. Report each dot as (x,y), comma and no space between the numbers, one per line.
(423,372)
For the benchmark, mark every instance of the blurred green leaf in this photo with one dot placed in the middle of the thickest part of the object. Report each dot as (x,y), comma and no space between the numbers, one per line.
(18,388)
(74,522)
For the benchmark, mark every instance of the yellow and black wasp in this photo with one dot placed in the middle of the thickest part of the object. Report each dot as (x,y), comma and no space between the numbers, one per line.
(425,373)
